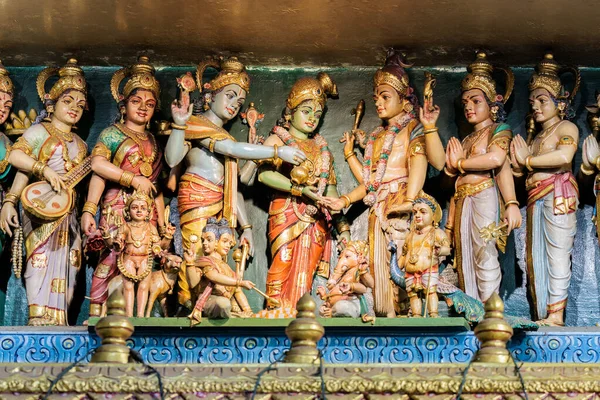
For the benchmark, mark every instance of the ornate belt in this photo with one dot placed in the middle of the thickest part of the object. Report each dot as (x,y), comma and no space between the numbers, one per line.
(470,190)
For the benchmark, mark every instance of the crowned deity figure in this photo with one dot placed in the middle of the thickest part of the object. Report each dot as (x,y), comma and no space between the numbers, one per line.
(208,188)
(299,229)
(7,92)
(126,157)
(393,169)
(552,191)
(51,152)
(485,191)
(590,155)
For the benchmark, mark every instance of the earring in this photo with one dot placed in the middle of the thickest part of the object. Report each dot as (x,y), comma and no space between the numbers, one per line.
(207,101)
(408,107)
(561,111)
(49,111)
(494,112)
(148,125)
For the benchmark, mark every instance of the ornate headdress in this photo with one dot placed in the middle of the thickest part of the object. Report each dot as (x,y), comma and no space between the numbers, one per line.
(393,73)
(480,77)
(139,195)
(6,84)
(316,89)
(69,77)
(547,77)
(231,71)
(360,247)
(141,76)
(433,205)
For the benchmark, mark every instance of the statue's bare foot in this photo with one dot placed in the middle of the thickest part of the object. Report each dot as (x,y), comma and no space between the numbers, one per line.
(243,314)
(41,321)
(552,320)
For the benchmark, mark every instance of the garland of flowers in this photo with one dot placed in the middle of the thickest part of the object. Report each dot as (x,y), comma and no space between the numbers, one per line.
(287,138)
(372,185)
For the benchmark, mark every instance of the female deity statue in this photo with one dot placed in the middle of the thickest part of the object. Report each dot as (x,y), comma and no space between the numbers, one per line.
(126,157)
(51,151)
(208,188)
(7,91)
(552,191)
(298,228)
(483,167)
(394,167)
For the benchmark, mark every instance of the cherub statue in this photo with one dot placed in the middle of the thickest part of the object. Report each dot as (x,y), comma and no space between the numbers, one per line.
(349,290)
(138,242)
(423,247)
(213,283)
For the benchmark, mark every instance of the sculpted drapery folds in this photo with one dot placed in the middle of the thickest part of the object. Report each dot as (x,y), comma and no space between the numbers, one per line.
(208,188)
(126,157)
(485,193)
(552,191)
(50,151)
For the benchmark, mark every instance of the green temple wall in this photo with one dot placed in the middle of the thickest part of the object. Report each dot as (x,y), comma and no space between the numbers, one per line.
(269,90)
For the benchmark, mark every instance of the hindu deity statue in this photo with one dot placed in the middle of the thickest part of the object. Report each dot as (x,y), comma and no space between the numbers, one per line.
(7,92)
(590,154)
(393,169)
(208,188)
(349,289)
(126,157)
(485,193)
(218,288)
(49,151)
(137,242)
(299,229)
(552,191)
(421,253)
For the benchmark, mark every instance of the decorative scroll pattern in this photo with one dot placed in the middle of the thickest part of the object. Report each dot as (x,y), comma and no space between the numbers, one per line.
(69,344)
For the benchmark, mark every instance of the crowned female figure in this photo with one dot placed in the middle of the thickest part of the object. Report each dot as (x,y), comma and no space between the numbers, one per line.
(552,191)
(485,191)
(7,92)
(208,188)
(394,168)
(125,158)
(298,228)
(48,151)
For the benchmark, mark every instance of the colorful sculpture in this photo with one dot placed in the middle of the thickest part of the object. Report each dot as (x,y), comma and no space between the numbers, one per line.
(485,192)
(590,157)
(552,191)
(208,188)
(393,170)
(50,151)
(126,157)
(7,92)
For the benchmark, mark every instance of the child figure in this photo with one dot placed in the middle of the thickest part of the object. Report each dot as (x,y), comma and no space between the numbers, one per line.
(138,242)
(212,282)
(420,255)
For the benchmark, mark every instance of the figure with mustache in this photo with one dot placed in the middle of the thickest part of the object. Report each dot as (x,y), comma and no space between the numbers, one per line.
(485,190)
(47,151)
(553,195)
(208,188)
(126,157)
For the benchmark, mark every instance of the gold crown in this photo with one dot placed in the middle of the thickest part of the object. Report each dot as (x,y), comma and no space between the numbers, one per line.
(385,78)
(430,201)
(360,247)
(316,89)
(140,195)
(141,76)
(69,77)
(547,77)
(231,72)
(6,84)
(480,77)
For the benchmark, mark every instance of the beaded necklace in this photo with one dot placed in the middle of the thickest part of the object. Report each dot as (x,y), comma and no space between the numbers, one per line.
(138,138)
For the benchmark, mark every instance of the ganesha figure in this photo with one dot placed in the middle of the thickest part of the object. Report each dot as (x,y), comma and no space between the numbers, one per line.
(208,188)
(50,151)
(393,170)
(126,157)
(485,192)
(349,289)
(552,191)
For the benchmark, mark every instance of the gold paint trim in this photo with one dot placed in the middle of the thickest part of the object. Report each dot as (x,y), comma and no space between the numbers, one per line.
(288,235)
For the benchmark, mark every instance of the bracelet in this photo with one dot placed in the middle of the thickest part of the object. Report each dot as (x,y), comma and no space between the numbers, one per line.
(450,174)
(167,236)
(586,171)
(459,166)
(343,226)
(211,145)
(409,199)
(449,227)
(508,203)
(90,207)
(528,163)
(11,198)
(431,130)
(238,283)
(517,174)
(296,190)
(349,155)
(597,162)
(180,127)
(244,227)
(126,178)
(347,201)
(276,160)
(38,169)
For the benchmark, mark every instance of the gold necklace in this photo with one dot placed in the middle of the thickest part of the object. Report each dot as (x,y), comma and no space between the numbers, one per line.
(475,137)
(139,138)
(137,242)
(62,136)
(545,135)
(414,256)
